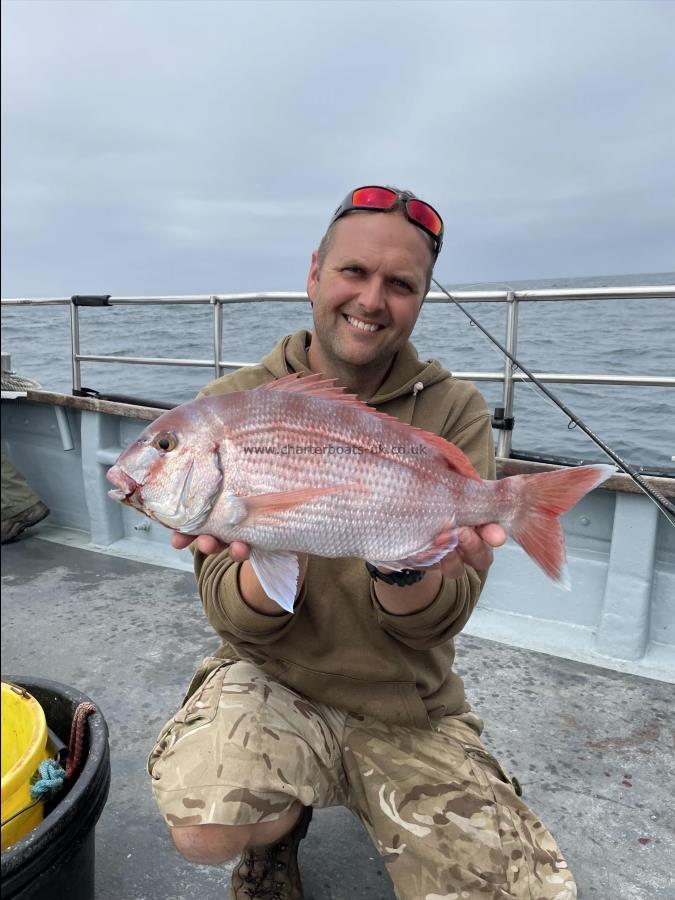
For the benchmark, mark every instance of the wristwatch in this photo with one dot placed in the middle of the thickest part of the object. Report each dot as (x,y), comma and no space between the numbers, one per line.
(400,579)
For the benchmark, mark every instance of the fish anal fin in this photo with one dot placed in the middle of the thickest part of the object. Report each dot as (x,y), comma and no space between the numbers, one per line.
(433,552)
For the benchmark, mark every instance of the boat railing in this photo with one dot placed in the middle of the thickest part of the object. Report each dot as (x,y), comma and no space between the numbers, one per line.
(503,419)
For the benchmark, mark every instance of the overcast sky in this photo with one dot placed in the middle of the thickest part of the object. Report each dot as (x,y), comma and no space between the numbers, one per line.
(155,147)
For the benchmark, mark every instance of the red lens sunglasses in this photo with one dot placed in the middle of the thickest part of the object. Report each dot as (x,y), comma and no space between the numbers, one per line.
(379,199)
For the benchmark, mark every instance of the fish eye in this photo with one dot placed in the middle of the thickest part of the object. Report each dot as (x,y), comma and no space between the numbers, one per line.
(165,442)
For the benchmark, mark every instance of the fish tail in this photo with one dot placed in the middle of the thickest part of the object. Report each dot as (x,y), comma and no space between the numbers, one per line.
(541,500)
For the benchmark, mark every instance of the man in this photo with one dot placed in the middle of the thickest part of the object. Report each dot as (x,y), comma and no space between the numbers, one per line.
(351,699)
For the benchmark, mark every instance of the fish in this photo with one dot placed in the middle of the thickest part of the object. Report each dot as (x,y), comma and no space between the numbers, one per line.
(298,465)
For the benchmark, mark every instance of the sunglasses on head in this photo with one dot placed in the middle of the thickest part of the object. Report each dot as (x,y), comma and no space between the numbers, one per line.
(379,199)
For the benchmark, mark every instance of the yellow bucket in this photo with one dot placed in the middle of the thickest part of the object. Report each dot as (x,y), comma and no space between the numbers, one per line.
(24,747)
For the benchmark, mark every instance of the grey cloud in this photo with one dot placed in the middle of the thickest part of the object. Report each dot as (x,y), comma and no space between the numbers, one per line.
(201,146)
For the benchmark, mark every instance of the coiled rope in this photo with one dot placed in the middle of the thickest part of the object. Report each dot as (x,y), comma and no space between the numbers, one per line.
(13,382)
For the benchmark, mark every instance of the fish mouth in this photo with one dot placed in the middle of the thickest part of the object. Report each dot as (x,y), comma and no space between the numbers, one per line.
(126,490)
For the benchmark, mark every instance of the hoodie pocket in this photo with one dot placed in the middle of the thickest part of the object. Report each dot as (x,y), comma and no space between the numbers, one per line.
(394,702)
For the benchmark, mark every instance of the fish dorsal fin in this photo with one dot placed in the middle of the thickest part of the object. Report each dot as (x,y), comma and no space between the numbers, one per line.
(454,457)
(314,385)
(323,388)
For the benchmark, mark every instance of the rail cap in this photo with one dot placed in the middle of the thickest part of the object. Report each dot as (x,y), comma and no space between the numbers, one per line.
(490,295)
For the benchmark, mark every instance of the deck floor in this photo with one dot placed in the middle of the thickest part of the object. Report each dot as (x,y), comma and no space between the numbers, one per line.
(593,749)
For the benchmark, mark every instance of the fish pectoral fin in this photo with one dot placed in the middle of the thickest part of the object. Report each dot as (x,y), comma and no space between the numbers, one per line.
(277,571)
(260,505)
(442,544)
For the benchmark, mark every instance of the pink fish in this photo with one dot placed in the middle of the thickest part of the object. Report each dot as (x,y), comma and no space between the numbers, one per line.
(298,466)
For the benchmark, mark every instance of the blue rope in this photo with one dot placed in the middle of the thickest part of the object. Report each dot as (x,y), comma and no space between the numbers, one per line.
(50,782)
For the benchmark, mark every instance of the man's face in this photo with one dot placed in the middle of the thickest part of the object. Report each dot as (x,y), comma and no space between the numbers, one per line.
(368,293)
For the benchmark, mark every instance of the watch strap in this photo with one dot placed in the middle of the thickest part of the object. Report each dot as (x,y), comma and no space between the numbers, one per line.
(401,579)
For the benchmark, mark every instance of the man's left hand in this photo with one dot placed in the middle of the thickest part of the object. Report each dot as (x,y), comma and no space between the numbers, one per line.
(473,549)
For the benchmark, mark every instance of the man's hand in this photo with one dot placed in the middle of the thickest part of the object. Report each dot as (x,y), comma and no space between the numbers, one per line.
(208,544)
(473,549)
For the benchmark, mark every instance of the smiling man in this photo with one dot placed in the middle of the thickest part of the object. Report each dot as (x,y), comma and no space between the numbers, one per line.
(367,282)
(352,699)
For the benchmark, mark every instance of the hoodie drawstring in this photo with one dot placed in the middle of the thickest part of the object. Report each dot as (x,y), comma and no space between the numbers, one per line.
(417,387)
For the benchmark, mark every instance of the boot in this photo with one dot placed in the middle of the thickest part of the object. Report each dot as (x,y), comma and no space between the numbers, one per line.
(272,873)
(12,528)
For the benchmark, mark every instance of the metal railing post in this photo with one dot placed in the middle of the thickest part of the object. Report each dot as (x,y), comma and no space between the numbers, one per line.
(217,334)
(75,346)
(504,440)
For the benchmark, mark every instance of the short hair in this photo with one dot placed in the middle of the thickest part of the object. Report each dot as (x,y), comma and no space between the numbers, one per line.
(398,207)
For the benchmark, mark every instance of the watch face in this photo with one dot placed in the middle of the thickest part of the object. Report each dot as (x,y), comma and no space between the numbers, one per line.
(408,576)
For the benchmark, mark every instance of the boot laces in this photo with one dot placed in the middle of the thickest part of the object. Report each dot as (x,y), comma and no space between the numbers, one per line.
(259,890)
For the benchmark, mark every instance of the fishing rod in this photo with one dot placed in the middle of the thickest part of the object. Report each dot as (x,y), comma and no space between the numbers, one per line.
(666,507)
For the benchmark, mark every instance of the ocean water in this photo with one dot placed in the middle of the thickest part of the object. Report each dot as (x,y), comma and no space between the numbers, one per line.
(634,337)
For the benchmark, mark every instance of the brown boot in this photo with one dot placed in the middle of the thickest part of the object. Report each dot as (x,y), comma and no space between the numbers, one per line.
(271,873)
(12,528)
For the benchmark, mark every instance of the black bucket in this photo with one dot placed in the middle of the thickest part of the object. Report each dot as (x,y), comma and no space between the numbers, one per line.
(55,861)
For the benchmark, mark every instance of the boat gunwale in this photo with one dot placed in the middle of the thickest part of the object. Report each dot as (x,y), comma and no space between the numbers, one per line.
(506,466)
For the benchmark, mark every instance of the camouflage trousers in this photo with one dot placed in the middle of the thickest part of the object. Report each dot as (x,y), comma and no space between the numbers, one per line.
(17,494)
(439,808)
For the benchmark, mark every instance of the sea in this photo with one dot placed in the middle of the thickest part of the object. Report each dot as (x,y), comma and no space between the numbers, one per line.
(634,337)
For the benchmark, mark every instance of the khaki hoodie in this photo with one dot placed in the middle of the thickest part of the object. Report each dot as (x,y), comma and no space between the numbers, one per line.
(340,646)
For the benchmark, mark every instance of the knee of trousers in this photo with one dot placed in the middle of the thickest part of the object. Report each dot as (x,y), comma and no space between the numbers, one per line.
(210,844)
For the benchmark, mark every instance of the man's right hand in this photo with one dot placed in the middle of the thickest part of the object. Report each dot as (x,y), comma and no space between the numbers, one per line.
(207,544)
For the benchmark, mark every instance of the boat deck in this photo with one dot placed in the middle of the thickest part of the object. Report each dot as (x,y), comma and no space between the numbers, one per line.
(592,748)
